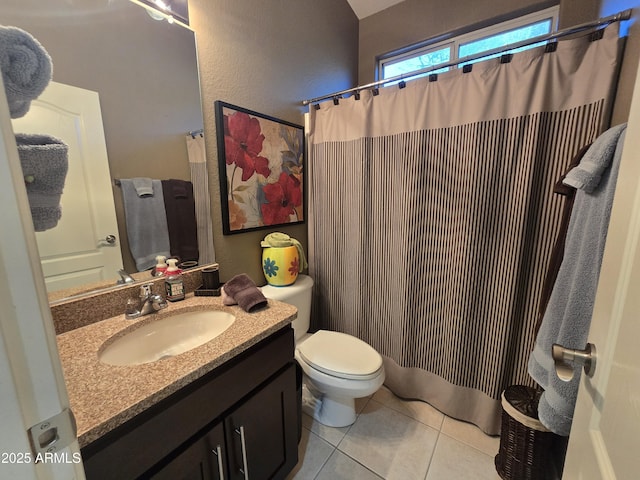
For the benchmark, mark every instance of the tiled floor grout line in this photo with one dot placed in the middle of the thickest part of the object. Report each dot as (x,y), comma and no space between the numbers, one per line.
(337,447)
(433,452)
(371,399)
(466,443)
(326,460)
(409,416)
(359,463)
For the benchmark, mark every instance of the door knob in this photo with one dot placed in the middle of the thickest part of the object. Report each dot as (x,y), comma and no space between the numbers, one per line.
(567,359)
(109,240)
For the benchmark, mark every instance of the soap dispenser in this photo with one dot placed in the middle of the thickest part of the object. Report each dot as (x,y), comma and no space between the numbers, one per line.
(161,266)
(174,285)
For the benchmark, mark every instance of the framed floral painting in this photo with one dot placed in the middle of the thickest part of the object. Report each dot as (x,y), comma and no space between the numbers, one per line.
(261,163)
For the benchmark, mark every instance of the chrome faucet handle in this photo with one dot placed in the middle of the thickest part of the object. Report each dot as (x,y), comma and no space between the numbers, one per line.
(158,303)
(147,302)
(125,278)
(132,311)
(145,290)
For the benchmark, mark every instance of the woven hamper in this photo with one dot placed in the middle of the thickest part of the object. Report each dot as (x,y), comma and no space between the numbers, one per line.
(527,448)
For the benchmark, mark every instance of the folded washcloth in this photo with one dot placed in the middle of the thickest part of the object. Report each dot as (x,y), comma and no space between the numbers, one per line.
(277,239)
(241,290)
(226,299)
(26,68)
(586,176)
(44,165)
(143,186)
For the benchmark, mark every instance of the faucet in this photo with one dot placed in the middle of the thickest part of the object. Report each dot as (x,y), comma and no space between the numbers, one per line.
(145,304)
(125,278)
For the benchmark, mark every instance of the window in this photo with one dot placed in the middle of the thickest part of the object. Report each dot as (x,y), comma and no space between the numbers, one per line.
(537,24)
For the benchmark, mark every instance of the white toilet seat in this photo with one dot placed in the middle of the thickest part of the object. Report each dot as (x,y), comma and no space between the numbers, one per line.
(340,355)
(340,368)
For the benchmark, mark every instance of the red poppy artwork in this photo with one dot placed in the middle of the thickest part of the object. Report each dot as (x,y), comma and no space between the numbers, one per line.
(261,166)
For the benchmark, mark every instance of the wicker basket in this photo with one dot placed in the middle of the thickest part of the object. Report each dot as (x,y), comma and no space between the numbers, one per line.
(527,449)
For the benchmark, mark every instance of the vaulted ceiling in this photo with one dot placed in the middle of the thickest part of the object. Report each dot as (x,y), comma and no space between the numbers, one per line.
(364,8)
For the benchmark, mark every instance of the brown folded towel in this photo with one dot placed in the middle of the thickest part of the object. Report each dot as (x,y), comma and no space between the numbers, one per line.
(244,292)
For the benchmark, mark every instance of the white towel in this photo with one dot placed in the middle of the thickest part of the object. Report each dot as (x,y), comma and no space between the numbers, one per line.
(568,316)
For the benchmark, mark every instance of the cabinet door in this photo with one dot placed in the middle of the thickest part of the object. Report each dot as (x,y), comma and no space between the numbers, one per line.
(202,460)
(262,432)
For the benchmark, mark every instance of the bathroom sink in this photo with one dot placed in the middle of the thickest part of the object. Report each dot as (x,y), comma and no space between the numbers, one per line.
(166,337)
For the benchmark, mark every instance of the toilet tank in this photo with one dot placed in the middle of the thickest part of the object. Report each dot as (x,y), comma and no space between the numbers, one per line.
(298,295)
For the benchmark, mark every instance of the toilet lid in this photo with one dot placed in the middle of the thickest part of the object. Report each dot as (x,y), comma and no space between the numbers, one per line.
(340,355)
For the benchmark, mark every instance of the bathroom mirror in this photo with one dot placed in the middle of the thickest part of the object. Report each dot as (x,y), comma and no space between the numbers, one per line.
(145,73)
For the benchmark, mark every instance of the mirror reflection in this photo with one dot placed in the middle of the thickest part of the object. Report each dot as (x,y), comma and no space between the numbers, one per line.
(124,96)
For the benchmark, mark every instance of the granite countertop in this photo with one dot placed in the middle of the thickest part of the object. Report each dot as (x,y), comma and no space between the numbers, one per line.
(102,396)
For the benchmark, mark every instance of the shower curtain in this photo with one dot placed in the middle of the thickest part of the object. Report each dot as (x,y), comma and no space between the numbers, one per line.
(200,181)
(432,215)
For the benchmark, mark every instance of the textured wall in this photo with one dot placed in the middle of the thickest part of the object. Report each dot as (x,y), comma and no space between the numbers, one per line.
(267,57)
(630,59)
(574,12)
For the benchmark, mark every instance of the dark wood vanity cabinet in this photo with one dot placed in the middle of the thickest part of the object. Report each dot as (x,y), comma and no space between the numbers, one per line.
(240,421)
(250,442)
(198,461)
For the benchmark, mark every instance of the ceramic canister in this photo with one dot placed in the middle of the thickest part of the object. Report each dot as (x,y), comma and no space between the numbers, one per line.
(280,265)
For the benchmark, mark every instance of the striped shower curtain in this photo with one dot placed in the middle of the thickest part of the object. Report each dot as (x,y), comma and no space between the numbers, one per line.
(432,215)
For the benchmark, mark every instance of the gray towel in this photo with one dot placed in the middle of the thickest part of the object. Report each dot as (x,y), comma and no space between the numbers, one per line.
(44,165)
(146,224)
(586,176)
(26,68)
(241,290)
(143,186)
(568,315)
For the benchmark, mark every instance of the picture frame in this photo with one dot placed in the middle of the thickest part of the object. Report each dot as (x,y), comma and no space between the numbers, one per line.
(261,168)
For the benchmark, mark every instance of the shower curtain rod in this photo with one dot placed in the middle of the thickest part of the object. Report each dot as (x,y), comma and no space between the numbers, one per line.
(604,21)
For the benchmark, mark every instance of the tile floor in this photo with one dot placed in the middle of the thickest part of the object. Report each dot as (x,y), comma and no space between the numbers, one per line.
(395,439)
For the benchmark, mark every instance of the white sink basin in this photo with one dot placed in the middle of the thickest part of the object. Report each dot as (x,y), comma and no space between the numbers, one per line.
(166,337)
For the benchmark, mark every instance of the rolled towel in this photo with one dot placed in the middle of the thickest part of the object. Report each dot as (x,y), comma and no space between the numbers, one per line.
(241,290)
(44,165)
(226,299)
(26,68)
(279,240)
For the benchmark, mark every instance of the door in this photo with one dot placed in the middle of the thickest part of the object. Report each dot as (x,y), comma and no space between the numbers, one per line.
(202,460)
(262,434)
(606,427)
(83,247)
(32,388)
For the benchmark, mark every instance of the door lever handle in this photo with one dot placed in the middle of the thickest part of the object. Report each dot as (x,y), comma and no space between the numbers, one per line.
(567,359)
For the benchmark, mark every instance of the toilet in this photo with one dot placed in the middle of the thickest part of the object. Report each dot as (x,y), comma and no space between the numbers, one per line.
(338,368)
